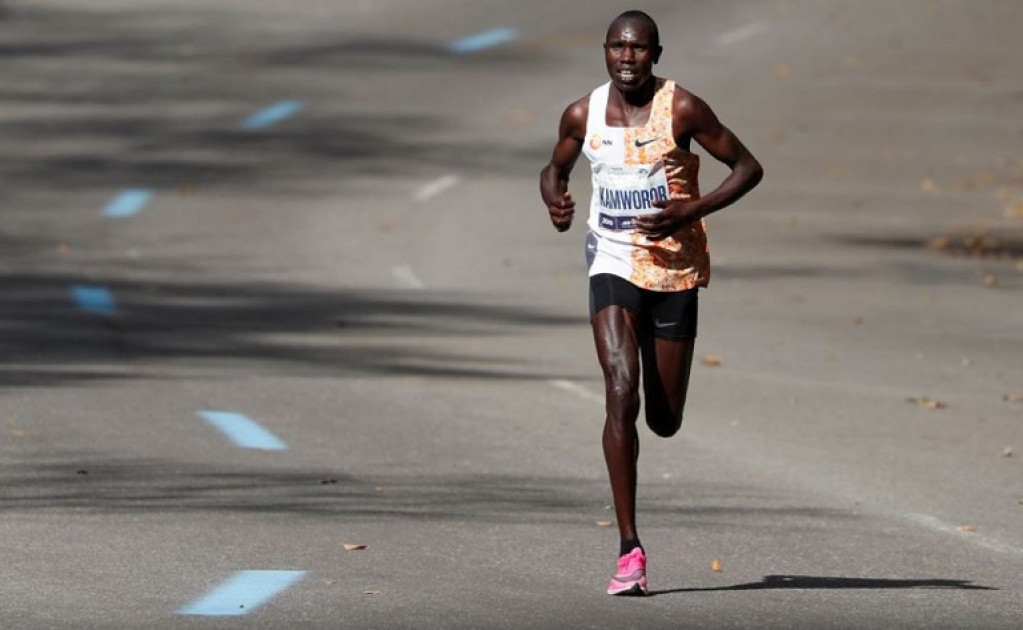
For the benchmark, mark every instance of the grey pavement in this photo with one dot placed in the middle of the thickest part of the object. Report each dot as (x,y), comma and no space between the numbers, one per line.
(374,280)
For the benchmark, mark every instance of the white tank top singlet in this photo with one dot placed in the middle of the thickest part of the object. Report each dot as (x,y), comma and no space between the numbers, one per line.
(631,167)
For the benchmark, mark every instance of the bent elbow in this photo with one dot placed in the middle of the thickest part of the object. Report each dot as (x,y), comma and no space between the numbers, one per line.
(756,174)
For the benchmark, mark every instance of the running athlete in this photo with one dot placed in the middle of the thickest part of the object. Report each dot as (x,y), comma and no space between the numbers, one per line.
(646,247)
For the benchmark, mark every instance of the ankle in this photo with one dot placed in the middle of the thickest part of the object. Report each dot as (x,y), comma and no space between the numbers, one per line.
(629,545)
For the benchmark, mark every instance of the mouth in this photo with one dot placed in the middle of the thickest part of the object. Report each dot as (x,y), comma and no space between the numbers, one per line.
(627,75)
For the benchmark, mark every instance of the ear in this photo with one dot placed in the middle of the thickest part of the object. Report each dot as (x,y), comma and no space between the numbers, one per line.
(657,53)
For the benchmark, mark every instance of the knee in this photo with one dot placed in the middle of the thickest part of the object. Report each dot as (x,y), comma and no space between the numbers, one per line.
(664,423)
(621,395)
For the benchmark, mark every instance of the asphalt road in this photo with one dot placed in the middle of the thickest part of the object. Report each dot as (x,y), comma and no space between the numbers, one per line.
(365,271)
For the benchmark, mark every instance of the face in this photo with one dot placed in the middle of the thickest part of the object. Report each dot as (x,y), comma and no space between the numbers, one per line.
(630,54)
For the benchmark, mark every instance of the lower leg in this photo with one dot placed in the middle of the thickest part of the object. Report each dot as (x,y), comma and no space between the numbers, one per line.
(667,364)
(621,453)
(617,340)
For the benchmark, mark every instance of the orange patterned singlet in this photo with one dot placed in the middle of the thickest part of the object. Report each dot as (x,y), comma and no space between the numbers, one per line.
(626,163)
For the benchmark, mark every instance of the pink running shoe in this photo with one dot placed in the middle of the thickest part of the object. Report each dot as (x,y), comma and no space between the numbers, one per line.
(630,579)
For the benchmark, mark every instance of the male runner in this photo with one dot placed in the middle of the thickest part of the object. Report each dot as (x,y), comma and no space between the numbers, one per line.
(646,247)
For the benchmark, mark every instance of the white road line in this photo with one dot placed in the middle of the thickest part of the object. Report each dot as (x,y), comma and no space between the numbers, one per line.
(408,278)
(737,35)
(432,189)
(577,389)
(924,520)
(938,525)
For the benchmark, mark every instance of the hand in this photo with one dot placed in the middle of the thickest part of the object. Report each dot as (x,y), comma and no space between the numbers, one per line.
(674,214)
(561,210)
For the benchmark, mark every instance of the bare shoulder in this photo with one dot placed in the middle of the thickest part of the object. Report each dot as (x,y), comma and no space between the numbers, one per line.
(573,121)
(690,112)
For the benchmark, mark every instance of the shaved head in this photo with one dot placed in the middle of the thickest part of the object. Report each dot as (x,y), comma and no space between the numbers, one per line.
(638,17)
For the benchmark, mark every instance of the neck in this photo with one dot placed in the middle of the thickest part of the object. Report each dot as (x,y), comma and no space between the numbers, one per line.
(641,96)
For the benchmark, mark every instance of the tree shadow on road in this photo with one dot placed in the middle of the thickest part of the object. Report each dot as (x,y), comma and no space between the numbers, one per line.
(48,341)
(154,97)
(811,582)
(105,484)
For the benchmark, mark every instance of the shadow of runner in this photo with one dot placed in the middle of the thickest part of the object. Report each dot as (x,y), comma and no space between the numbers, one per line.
(810,582)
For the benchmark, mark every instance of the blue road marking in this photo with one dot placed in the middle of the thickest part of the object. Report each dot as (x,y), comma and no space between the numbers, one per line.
(242,593)
(242,431)
(93,299)
(127,203)
(272,115)
(484,40)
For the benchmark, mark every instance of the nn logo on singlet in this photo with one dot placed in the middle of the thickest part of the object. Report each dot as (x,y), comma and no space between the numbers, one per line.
(596,142)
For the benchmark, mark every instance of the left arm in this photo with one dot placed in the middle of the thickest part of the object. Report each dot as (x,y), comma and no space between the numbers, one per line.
(693,118)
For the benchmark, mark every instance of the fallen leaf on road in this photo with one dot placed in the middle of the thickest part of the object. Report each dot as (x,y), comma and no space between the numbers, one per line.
(989,280)
(18,434)
(715,565)
(939,243)
(712,360)
(370,591)
(518,117)
(783,70)
(353,546)
(1007,452)
(777,133)
(927,403)
(63,249)
(1014,212)
(1013,397)
(603,523)
(967,528)
(928,185)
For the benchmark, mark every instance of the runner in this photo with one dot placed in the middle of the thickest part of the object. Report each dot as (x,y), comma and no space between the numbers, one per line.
(646,248)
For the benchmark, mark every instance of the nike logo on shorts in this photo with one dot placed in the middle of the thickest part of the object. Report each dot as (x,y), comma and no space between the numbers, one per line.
(644,142)
(659,324)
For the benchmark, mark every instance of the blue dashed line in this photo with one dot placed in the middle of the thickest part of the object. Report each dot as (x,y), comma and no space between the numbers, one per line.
(128,203)
(242,431)
(242,593)
(93,299)
(482,41)
(272,114)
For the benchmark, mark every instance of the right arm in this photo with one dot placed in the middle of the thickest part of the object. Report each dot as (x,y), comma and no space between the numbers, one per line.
(554,176)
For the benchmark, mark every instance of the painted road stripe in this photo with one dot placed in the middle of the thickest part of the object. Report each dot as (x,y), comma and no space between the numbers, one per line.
(577,389)
(242,593)
(93,299)
(242,431)
(930,522)
(127,203)
(272,114)
(407,277)
(432,189)
(737,35)
(482,41)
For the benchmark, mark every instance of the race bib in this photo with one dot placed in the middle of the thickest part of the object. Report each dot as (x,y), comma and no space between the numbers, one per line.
(625,192)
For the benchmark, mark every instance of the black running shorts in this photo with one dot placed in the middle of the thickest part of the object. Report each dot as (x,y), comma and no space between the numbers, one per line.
(665,314)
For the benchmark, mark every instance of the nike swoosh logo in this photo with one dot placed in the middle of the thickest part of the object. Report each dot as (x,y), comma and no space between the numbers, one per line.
(644,142)
(661,324)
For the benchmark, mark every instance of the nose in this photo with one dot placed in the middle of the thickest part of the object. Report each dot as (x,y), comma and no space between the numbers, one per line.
(628,54)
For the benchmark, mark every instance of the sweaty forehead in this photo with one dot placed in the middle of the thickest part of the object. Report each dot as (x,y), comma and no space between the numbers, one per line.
(629,31)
